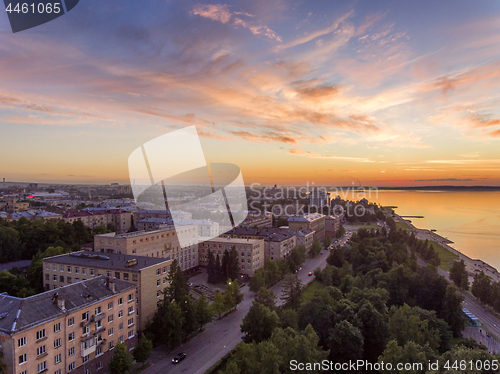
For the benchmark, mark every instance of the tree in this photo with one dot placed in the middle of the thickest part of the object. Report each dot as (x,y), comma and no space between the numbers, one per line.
(178,288)
(315,249)
(459,276)
(143,349)
(327,241)
(452,310)
(111,227)
(258,280)
(259,323)
(336,257)
(173,322)
(218,269)
(340,232)
(35,271)
(122,360)
(267,298)
(481,287)
(3,366)
(292,286)
(203,313)
(211,271)
(233,288)
(218,306)
(411,353)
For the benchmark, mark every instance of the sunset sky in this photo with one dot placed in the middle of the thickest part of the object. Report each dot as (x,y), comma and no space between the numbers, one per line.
(368,92)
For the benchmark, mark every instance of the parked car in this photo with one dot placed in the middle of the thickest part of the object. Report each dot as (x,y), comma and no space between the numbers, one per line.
(310,273)
(179,358)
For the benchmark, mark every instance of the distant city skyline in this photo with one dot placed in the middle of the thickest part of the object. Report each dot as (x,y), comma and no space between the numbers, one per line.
(336,93)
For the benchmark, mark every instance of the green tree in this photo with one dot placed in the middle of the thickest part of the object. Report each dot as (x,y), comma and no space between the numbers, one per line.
(173,325)
(143,349)
(3,366)
(259,323)
(122,360)
(452,310)
(233,288)
(412,353)
(178,289)
(266,297)
(315,248)
(258,280)
(336,257)
(459,276)
(292,287)
(218,306)
(327,241)
(211,271)
(481,287)
(111,227)
(35,271)
(203,313)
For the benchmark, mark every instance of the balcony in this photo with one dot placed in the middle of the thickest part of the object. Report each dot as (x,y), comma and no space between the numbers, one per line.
(88,346)
(85,323)
(98,317)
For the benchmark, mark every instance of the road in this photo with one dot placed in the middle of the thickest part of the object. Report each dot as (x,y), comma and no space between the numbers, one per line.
(219,337)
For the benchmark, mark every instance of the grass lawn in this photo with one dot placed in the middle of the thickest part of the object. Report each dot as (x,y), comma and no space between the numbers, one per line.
(403,225)
(310,290)
(447,258)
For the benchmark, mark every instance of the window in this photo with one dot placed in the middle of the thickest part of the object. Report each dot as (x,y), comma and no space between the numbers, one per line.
(41,350)
(111,331)
(98,310)
(71,336)
(158,271)
(120,326)
(23,358)
(158,293)
(120,314)
(98,324)
(110,305)
(120,301)
(99,365)
(85,316)
(71,351)
(164,270)
(130,309)
(77,270)
(117,275)
(110,318)
(42,366)
(130,297)
(77,280)
(58,358)
(40,334)
(86,330)
(61,268)
(158,283)
(21,342)
(61,278)
(164,280)
(71,321)
(130,321)
(108,273)
(84,271)
(131,334)
(121,339)
(69,269)
(69,280)
(111,345)
(125,276)
(57,343)
(58,371)
(98,351)
(54,278)
(135,277)
(86,358)
(57,327)
(91,271)
(71,366)
(47,277)
(54,267)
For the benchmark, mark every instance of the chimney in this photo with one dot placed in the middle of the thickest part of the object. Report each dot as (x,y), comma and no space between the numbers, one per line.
(107,282)
(55,298)
(111,285)
(61,303)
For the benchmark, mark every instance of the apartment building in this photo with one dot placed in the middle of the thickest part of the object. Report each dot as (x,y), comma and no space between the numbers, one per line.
(159,213)
(206,228)
(279,245)
(258,219)
(120,218)
(311,221)
(332,226)
(250,252)
(14,206)
(72,329)
(148,273)
(165,243)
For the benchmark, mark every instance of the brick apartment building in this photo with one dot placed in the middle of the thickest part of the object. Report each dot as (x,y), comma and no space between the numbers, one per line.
(311,221)
(72,329)
(148,273)
(122,219)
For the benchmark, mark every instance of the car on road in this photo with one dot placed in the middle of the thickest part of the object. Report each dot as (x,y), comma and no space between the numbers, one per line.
(179,358)
(310,273)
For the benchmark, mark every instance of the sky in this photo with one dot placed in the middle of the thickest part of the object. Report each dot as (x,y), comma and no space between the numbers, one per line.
(371,93)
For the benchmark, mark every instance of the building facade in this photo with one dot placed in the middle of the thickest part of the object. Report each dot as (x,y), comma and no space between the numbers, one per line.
(311,221)
(148,273)
(332,226)
(250,252)
(120,218)
(72,329)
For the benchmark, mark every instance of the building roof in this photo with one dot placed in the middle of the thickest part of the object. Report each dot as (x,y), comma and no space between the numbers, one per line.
(280,236)
(306,217)
(18,314)
(15,264)
(233,240)
(106,260)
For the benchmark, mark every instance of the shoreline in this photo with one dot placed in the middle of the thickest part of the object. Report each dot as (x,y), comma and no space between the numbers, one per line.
(472,266)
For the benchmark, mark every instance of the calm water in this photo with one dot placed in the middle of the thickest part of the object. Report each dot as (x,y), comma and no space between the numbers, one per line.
(470,219)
